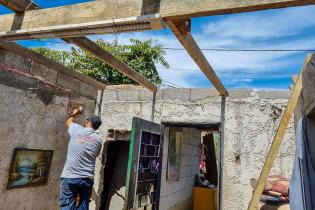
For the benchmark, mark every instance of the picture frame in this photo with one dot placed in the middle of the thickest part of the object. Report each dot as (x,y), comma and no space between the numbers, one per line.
(29,168)
(174,154)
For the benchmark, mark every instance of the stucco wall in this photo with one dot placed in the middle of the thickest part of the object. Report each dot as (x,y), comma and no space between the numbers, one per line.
(33,116)
(250,121)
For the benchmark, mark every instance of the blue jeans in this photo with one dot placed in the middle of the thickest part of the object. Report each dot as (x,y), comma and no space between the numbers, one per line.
(70,188)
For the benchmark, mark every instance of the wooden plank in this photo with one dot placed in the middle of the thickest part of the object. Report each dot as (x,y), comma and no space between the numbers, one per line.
(109,59)
(27,53)
(19,5)
(104,56)
(253,205)
(181,29)
(94,16)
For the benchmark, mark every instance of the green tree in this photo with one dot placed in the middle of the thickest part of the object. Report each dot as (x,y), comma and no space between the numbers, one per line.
(142,56)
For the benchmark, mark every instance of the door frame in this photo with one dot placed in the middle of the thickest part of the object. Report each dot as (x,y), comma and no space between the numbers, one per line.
(139,125)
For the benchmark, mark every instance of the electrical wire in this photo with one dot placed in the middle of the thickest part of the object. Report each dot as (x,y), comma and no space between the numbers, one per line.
(217,71)
(209,49)
(173,84)
(244,50)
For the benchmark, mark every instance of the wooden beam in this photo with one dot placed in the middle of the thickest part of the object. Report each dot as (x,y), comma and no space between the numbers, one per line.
(277,139)
(97,17)
(19,6)
(106,57)
(181,29)
(27,53)
(109,59)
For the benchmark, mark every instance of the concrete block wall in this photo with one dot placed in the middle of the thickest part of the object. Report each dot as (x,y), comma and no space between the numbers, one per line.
(33,116)
(250,123)
(178,194)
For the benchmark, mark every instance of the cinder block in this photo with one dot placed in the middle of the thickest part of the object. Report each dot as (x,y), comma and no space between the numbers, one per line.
(146,95)
(15,60)
(202,93)
(239,93)
(128,95)
(274,94)
(44,72)
(176,94)
(68,82)
(110,95)
(87,90)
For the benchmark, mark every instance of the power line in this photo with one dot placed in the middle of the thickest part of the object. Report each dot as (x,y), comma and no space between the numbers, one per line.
(209,49)
(173,84)
(223,72)
(165,85)
(244,50)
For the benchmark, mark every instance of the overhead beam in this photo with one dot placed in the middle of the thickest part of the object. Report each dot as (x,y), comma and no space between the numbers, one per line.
(112,61)
(98,17)
(104,56)
(19,6)
(181,29)
(27,53)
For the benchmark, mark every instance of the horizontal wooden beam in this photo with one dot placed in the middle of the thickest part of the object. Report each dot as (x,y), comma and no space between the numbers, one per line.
(109,59)
(27,53)
(106,57)
(98,17)
(181,29)
(19,5)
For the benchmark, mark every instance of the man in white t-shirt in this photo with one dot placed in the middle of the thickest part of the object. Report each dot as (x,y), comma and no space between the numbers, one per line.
(78,172)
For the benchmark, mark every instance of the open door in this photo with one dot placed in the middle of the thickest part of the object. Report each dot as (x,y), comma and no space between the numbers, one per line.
(144,165)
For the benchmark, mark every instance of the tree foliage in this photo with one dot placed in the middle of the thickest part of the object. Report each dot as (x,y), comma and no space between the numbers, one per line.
(142,56)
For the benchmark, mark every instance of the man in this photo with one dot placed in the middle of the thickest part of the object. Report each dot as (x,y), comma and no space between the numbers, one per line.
(77,175)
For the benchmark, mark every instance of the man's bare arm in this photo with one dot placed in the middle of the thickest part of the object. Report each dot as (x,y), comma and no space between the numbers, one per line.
(72,116)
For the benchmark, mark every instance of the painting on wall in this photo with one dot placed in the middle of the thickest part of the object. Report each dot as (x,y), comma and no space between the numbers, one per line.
(174,154)
(29,168)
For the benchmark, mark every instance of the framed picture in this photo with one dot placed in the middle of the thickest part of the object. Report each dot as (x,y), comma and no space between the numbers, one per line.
(174,154)
(29,168)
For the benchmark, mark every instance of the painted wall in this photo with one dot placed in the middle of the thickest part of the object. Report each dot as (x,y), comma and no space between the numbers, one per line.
(251,118)
(33,116)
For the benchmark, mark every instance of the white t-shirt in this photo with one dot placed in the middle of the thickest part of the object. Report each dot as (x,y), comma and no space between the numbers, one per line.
(84,147)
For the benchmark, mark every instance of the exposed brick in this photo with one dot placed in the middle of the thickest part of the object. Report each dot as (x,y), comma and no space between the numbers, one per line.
(68,82)
(44,72)
(176,94)
(110,95)
(87,90)
(199,94)
(15,61)
(274,94)
(128,95)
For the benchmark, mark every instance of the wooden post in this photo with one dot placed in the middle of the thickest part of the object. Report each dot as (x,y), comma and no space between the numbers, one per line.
(277,139)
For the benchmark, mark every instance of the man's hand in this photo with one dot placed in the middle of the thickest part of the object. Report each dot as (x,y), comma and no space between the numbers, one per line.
(76,112)
(71,117)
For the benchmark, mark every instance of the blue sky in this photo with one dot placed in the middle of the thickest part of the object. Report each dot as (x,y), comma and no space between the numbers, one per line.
(290,28)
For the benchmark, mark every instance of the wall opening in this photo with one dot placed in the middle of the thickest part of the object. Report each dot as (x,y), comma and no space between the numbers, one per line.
(115,172)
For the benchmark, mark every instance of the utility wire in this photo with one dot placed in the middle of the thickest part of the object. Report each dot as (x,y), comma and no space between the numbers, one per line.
(245,50)
(172,84)
(217,71)
(210,49)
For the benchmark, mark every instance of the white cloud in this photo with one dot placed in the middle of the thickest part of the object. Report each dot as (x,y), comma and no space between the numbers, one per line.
(281,23)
